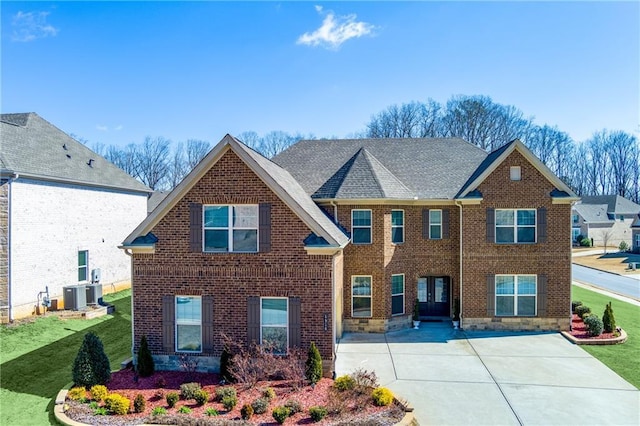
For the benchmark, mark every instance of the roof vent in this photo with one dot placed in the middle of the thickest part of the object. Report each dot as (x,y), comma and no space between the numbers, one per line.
(90,163)
(64,146)
(68,156)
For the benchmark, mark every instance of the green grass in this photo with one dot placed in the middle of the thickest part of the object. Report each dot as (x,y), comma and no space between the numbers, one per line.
(36,359)
(623,359)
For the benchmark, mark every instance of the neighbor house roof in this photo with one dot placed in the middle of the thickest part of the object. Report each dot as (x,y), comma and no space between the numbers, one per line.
(616,204)
(34,148)
(593,213)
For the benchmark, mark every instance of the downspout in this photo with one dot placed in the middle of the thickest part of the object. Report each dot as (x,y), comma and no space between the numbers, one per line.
(133,342)
(9,266)
(459,204)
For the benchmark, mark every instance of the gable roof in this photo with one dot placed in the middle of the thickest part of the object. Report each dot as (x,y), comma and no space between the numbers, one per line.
(34,148)
(276,178)
(593,213)
(616,204)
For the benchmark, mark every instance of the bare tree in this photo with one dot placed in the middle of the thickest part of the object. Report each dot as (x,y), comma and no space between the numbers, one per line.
(178,166)
(275,142)
(623,155)
(196,151)
(410,120)
(606,235)
(127,158)
(153,157)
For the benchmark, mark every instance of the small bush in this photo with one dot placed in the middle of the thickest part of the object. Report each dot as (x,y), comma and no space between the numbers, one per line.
(76,394)
(139,403)
(365,379)
(582,310)
(594,325)
(313,370)
(585,242)
(91,366)
(159,394)
(188,390)
(574,305)
(317,413)
(269,393)
(344,383)
(100,411)
(229,402)
(280,414)
(293,406)
(172,399)
(99,392)
(184,410)
(225,364)
(211,412)
(201,396)
(246,411)
(382,397)
(117,403)
(159,411)
(145,365)
(93,405)
(225,391)
(623,246)
(260,405)
(608,319)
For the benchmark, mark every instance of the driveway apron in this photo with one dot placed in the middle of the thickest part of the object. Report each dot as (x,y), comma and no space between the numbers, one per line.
(452,377)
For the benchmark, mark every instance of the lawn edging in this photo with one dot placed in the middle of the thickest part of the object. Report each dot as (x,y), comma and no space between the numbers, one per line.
(612,341)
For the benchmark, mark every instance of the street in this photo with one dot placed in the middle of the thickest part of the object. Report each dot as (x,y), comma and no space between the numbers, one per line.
(625,286)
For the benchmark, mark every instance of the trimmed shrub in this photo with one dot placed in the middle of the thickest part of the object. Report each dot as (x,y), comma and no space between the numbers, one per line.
(188,390)
(201,396)
(594,325)
(344,383)
(260,405)
(117,403)
(623,246)
(269,393)
(382,396)
(225,391)
(574,305)
(608,320)
(229,402)
(139,403)
(246,411)
(211,412)
(582,310)
(365,379)
(145,365)
(225,364)
(313,370)
(172,398)
(99,392)
(280,414)
(184,410)
(91,366)
(585,242)
(159,411)
(317,413)
(77,393)
(293,406)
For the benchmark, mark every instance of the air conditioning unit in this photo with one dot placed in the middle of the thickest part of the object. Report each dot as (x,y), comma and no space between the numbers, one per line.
(95,275)
(75,297)
(94,293)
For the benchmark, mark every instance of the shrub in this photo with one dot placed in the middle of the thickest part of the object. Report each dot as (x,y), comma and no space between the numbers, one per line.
(184,410)
(365,379)
(594,325)
(100,411)
(344,383)
(246,411)
(317,413)
(382,396)
(188,390)
(117,403)
(91,366)
(172,399)
(99,392)
(93,405)
(139,403)
(623,246)
(78,393)
(260,405)
(269,393)
(225,364)
(585,242)
(574,305)
(161,382)
(293,406)
(280,414)
(313,370)
(211,412)
(201,396)
(159,411)
(145,365)
(225,391)
(608,320)
(229,402)
(159,394)
(582,310)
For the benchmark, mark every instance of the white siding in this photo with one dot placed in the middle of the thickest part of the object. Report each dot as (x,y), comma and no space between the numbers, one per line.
(50,222)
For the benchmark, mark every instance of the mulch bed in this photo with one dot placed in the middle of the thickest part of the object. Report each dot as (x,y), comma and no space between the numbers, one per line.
(579,330)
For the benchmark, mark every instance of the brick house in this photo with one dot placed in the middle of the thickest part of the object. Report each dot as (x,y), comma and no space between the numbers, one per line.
(345,235)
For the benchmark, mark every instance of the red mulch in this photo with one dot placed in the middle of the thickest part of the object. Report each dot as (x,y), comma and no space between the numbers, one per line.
(579,330)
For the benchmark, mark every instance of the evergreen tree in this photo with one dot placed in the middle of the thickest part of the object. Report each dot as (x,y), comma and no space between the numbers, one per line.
(608,320)
(91,366)
(313,372)
(225,364)
(145,365)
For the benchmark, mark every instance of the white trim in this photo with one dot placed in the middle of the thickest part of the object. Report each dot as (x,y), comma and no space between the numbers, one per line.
(370,296)
(86,266)
(515,173)
(398,226)
(404,286)
(435,224)
(230,227)
(286,327)
(515,295)
(515,227)
(363,227)
(176,322)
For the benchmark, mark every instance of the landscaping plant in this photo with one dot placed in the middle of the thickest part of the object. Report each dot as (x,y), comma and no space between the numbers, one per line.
(139,403)
(594,325)
(117,403)
(225,363)
(188,390)
(574,305)
(145,365)
(201,396)
(99,392)
(313,371)
(246,411)
(172,399)
(91,366)
(608,320)
(382,396)
(260,405)
(317,413)
(583,311)
(280,414)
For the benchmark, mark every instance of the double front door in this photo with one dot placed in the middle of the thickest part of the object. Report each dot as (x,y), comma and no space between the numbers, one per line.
(433,296)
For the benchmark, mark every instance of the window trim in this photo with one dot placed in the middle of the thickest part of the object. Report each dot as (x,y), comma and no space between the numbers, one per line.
(573,230)
(439,225)
(182,322)
(397,226)
(286,327)
(230,228)
(638,239)
(515,226)
(370,227)
(370,296)
(85,266)
(515,295)
(575,218)
(515,173)
(398,294)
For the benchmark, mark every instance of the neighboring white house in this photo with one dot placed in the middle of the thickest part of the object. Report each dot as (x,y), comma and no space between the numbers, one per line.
(605,217)
(63,211)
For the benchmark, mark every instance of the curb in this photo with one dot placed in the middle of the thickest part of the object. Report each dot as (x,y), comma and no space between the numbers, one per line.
(613,341)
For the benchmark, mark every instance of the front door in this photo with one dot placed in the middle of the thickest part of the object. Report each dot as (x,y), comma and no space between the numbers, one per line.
(433,296)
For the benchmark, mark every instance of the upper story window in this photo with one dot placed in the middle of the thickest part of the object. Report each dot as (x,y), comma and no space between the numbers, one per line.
(515,226)
(397,226)
(188,324)
(230,228)
(83,265)
(361,226)
(575,218)
(516,295)
(515,172)
(621,217)
(435,224)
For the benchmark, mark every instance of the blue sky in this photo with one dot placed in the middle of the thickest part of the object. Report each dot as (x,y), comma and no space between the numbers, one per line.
(115,72)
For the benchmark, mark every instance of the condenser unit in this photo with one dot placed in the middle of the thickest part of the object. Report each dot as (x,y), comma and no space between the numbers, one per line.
(94,293)
(75,297)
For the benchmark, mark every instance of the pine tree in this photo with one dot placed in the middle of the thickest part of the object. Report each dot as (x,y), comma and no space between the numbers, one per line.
(608,320)
(91,366)
(145,366)
(313,372)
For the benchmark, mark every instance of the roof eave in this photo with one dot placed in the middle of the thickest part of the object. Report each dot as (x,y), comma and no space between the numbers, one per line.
(385,201)
(329,250)
(139,248)
(46,178)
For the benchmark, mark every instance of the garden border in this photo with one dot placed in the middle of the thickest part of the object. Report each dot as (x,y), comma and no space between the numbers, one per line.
(612,341)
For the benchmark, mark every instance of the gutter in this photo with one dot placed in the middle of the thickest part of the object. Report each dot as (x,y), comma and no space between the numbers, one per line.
(133,342)
(459,204)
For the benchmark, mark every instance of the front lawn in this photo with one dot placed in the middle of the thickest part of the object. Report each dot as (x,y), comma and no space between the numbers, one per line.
(623,359)
(36,359)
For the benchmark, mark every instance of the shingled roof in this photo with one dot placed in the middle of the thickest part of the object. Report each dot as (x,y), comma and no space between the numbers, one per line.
(593,213)
(616,204)
(34,148)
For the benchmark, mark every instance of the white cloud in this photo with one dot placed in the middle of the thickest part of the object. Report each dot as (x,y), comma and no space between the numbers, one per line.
(335,30)
(119,127)
(102,128)
(29,26)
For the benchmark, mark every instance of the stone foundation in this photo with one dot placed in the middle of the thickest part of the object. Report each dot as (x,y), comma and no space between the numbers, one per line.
(370,325)
(517,324)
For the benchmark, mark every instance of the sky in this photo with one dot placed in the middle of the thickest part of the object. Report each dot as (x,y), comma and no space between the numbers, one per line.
(116,72)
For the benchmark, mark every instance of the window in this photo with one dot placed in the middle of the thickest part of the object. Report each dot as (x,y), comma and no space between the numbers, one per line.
(515,173)
(621,217)
(575,218)
(515,295)
(435,224)
(397,294)
(361,296)
(361,226)
(188,324)
(638,240)
(574,234)
(83,264)
(274,322)
(231,228)
(397,226)
(516,226)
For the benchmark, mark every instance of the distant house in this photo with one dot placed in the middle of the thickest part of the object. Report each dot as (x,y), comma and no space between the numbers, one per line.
(63,211)
(605,216)
(635,235)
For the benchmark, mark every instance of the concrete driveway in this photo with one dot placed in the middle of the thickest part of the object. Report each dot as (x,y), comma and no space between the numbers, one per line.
(489,378)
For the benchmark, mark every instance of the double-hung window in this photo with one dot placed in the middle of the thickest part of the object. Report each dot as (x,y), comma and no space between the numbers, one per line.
(274,330)
(188,324)
(515,226)
(435,224)
(638,240)
(397,226)
(361,296)
(83,265)
(231,228)
(516,295)
(361,226)
(397,294)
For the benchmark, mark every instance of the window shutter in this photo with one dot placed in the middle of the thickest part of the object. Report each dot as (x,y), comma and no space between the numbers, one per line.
(195,227)
(491,295)
(207,324)
(445,224)
(253,320)
(264,227)
(168,323)
(491,225)
(425,223)
(542,295)
(295,326)
(542,225)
